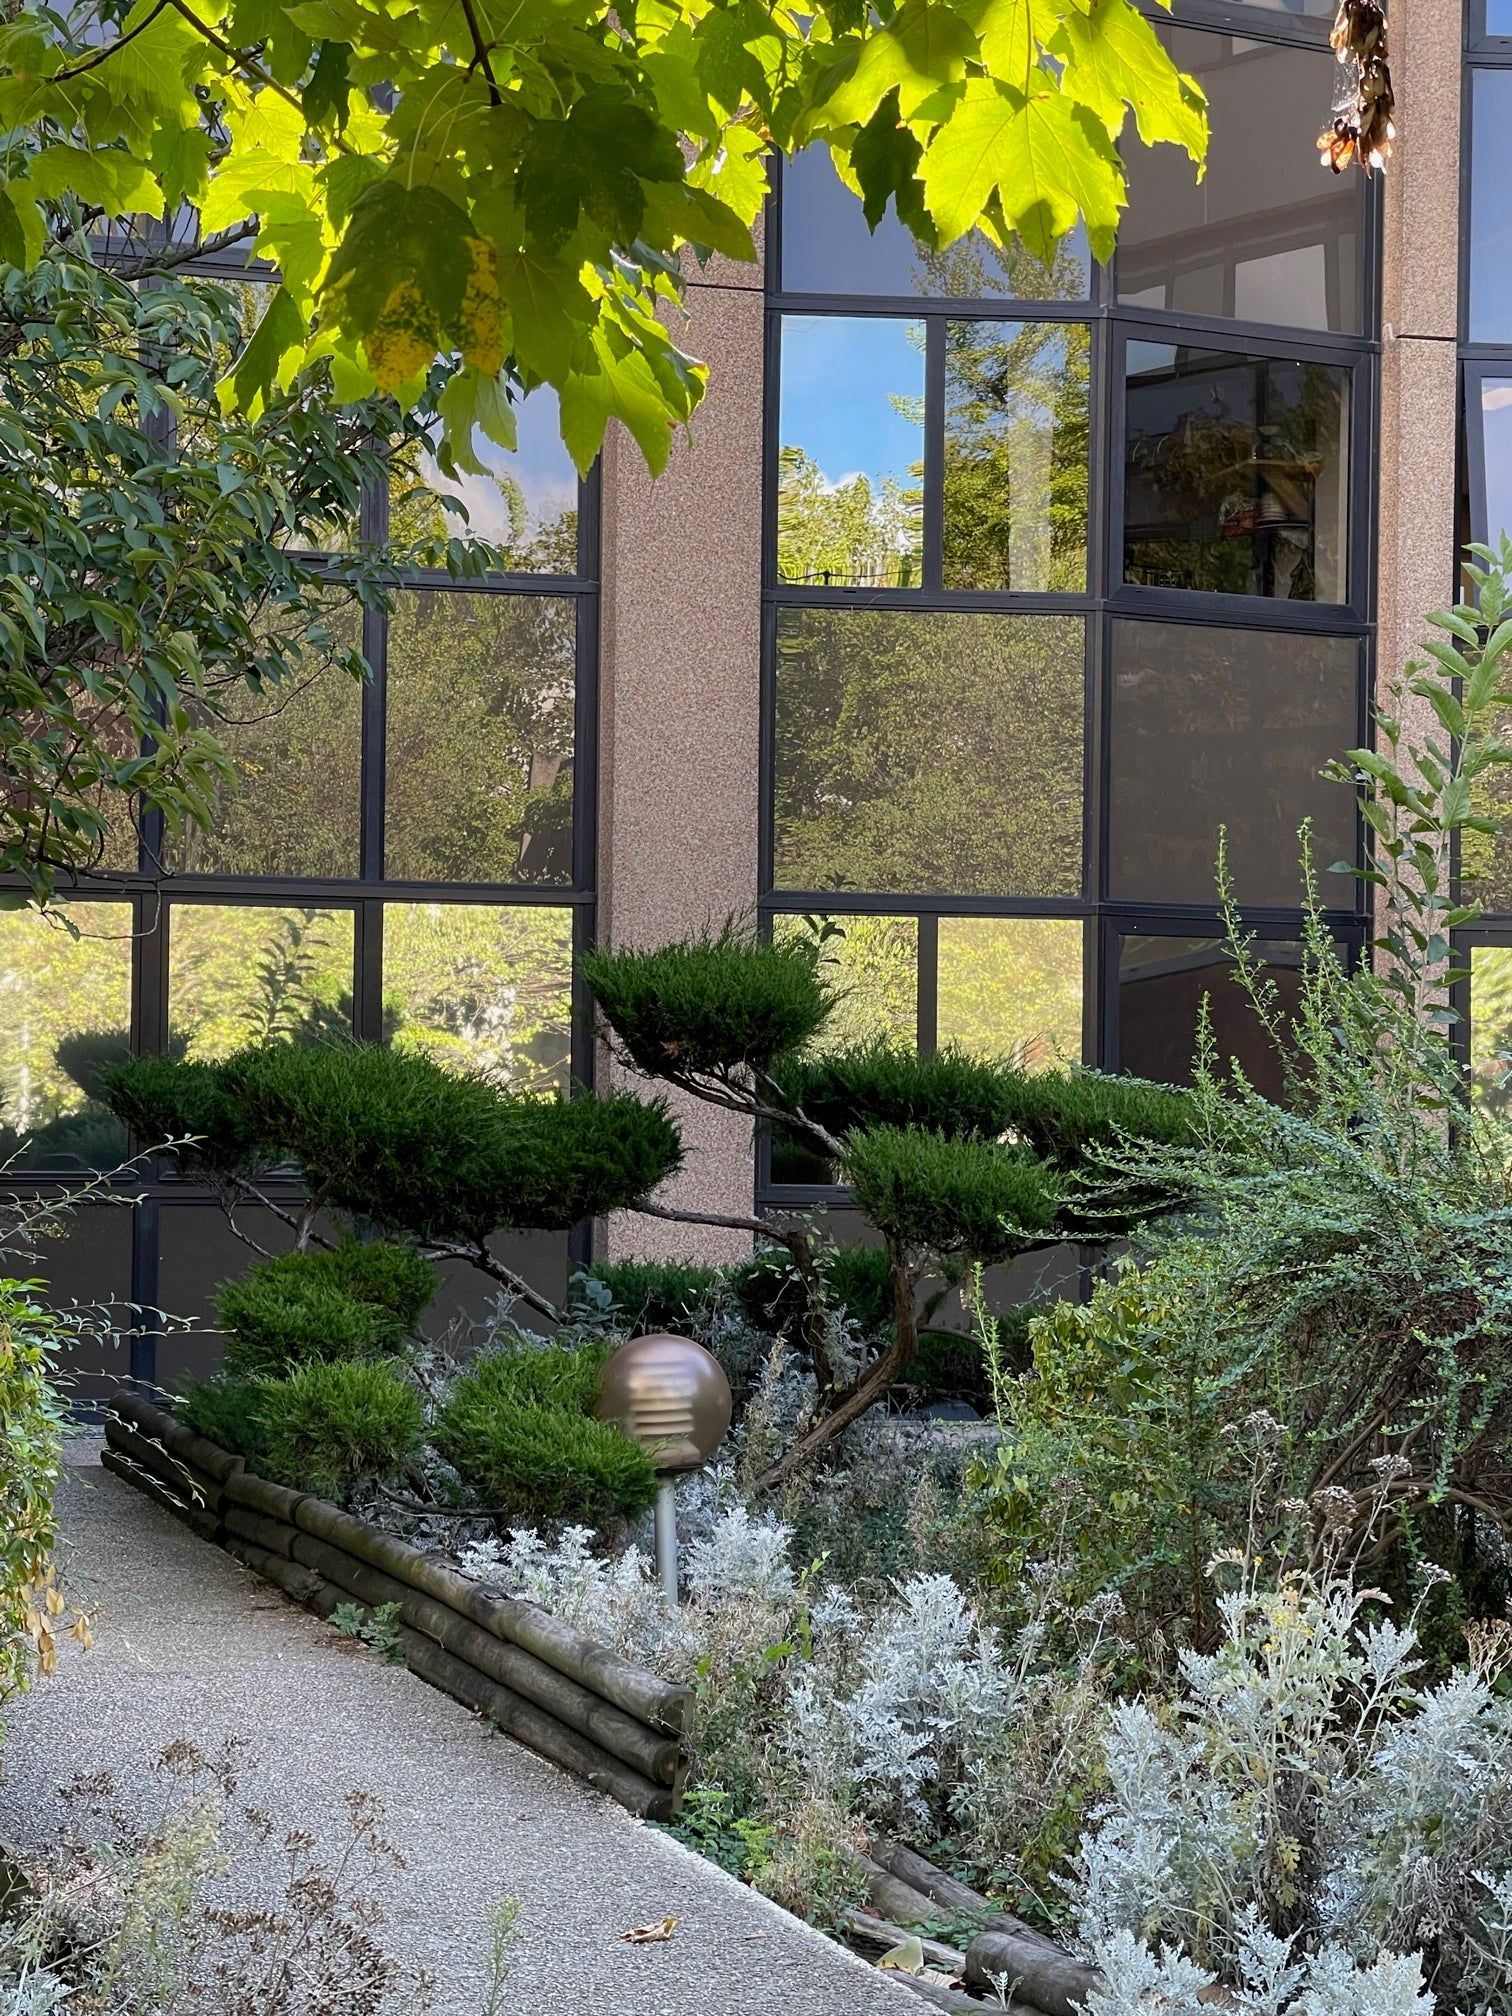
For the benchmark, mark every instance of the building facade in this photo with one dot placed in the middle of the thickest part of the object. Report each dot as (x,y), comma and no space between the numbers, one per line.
(980,598)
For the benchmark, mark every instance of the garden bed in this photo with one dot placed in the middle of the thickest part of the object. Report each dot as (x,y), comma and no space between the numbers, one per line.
(575,1702)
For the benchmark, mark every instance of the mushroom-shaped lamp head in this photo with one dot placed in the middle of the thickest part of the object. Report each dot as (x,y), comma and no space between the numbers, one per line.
(670,1395)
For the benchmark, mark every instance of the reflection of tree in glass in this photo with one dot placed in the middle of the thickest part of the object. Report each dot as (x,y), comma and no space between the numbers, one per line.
(873,962)
(425,512)
(240,974)
(1012,987)
(1491,1029)
(482,988)
(297,749)
(60,997)
(937,752)
(850,534)
(1017,443)
(481,699)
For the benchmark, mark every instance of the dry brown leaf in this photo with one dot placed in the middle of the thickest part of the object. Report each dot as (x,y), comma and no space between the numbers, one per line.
(651,1935)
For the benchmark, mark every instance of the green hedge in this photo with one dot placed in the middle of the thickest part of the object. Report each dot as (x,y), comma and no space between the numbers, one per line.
(649,1295)
(361,1301)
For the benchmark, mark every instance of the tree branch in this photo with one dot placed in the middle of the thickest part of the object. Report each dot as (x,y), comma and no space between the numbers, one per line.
(480,53)
(104,55)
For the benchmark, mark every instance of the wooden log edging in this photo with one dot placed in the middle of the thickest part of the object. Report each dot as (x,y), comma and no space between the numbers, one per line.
(536,1678)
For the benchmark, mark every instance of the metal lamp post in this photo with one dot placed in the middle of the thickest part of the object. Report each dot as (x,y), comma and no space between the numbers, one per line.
(672,1397)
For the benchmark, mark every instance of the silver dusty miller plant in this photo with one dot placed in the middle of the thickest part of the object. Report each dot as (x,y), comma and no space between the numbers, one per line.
(1310,1827)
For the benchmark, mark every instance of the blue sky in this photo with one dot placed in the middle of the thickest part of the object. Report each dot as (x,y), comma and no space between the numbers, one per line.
(540,465)
(837,374)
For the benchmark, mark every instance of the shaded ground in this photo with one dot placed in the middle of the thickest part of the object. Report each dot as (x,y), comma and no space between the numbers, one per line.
(190,1644)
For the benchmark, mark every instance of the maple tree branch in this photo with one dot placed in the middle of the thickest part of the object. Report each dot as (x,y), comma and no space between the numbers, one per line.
(480,52)
(104,55)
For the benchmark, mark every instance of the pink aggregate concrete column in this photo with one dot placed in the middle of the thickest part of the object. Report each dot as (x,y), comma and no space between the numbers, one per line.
(1419,375)
(680,721)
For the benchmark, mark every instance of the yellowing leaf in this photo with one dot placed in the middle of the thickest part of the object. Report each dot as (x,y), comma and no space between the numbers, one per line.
(651,1935)
(479,333)
(905,1958)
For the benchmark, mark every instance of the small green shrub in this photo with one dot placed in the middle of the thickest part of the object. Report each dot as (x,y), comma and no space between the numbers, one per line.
(969,1197)
(648,1295)
(516,1425)
(175,1098)
(878,1084)
(331,1424)
(229,1412)
(360,1301)
(711,1004)
(856,1279)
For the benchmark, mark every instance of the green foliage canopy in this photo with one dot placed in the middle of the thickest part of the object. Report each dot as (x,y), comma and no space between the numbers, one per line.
(514,186)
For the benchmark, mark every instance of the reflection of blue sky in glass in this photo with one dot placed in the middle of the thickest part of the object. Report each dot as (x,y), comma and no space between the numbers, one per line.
(1496,433)
(840,378)
(1490,215)
(540,468)
(1499,17)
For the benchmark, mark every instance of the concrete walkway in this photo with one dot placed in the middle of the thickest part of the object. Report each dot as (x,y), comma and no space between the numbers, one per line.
(189,1644)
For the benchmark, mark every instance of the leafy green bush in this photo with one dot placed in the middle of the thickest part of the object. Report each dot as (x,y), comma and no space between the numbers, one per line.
(857,1280)
(176,1098)
(516,1425)
(969,1197)
(952,1364)
(32,1419)
(330,1424)
(229,1412)
(359,1301)
(878,1084)
(650,1295)
(709,1005)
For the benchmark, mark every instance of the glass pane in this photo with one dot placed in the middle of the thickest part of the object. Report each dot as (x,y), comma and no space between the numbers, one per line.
(929,752)
(526,502)
(1162,983)
(1491,1028)
(1236,478)
(1486,858)
(1012,987)
(238,974)
(481,694)
(1499,17)
(1496,448)
(1227,728)
(482,988)
(874,961)
(1490,213)
(851,459)
(297,748)
(86,1272)
(828,248)
(65,1011)
(1016,449)
(1263,236)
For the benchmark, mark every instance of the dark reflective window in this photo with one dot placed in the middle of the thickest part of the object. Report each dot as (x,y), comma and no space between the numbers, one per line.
(481,694)
(1016,455)
(297,752)
(1490,214)
(86,1274)
(827,248)
(1236,474)
(525,501)
(1263,237)
(65,1013)
(482,988)
(929,751)
(1162,984)
(1012,987)
(1214,727)
(851,453)
(239,974)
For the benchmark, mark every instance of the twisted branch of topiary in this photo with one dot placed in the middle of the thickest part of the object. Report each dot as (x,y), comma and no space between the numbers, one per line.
(949,1156)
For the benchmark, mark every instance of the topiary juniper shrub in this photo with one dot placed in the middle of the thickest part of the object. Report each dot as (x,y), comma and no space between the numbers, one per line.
(362,1300)
(518,1429)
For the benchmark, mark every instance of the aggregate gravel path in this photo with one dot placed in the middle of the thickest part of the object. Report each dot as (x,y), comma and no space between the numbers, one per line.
(190,1644)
